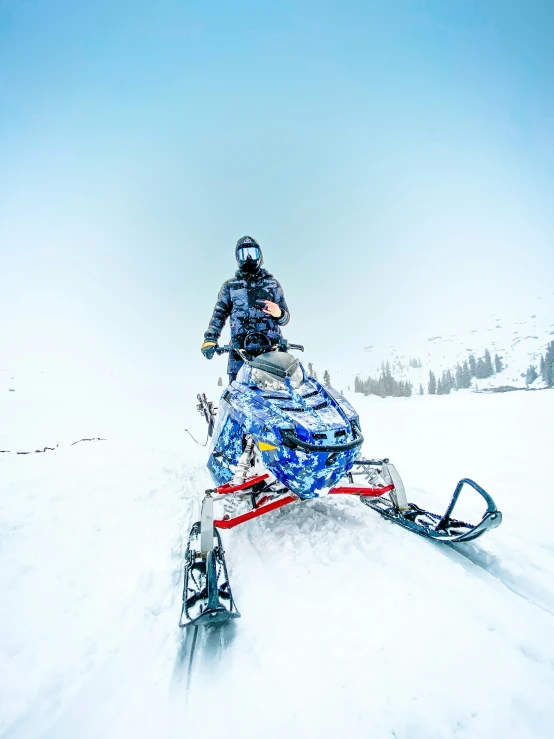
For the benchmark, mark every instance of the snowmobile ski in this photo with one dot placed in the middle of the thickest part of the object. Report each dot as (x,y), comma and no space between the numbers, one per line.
(434,526)
(207,597)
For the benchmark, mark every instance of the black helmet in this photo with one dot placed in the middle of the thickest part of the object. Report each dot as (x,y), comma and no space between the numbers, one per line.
(248,254)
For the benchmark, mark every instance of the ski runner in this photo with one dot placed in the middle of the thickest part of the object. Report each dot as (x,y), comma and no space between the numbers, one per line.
(254,301)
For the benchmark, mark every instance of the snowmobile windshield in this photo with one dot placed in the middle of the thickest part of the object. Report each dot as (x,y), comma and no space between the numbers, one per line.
(270,371)
(267,381)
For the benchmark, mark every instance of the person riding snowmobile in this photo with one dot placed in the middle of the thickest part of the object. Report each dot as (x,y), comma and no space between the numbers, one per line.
(254,301)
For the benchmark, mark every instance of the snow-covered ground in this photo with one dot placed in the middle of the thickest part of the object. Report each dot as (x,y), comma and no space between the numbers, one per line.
(350,626)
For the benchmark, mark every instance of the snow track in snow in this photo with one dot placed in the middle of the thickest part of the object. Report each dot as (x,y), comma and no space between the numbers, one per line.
(491,564)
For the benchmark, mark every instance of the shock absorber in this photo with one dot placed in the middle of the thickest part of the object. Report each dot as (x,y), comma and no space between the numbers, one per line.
(243,465)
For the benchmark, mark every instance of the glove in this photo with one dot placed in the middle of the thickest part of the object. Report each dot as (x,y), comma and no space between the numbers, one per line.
(208,349)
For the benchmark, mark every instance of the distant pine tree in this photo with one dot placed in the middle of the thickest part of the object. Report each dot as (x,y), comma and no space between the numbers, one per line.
(220,382)
(498,366)
(420,389)
(531,375)
(488,364)
(481,369)
(310,369)
(458,381)
(472,366)
(432,386)
(327,379)
(440,390)
(466,376)
(548,364)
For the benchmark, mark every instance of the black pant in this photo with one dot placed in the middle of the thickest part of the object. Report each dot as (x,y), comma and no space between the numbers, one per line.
(233,375)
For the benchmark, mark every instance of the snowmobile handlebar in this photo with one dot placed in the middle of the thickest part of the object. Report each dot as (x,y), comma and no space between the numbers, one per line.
(291,440)
(284,345)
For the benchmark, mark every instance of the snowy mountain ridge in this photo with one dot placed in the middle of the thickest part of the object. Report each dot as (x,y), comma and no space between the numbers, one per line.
(519,339)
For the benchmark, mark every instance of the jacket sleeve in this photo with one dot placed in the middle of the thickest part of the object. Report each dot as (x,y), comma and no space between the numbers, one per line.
(281,302)
(221,313)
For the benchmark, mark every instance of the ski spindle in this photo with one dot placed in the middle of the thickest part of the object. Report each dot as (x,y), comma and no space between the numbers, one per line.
(207,524)
(398,494)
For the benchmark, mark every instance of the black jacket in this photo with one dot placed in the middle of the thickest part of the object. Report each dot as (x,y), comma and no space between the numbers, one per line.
(240,298)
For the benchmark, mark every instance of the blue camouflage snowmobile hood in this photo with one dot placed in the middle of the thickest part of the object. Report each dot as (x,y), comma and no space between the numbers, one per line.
(315,415)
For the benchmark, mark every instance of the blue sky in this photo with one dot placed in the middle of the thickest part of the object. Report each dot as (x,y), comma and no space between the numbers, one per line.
(395,161)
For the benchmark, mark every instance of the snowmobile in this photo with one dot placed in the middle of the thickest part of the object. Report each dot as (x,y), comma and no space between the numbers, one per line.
(279,437)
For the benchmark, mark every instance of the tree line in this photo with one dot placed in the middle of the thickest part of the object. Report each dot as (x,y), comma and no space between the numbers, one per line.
(384,386)
(480,368)
(397,364)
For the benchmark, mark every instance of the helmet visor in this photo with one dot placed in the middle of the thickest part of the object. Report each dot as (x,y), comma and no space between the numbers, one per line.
(248,252)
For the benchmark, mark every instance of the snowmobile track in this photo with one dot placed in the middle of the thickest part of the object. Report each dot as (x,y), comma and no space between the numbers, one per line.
(491,565)
(191,657)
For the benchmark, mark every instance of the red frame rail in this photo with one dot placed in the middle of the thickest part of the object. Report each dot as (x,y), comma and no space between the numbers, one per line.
(254,513)
(363,492)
